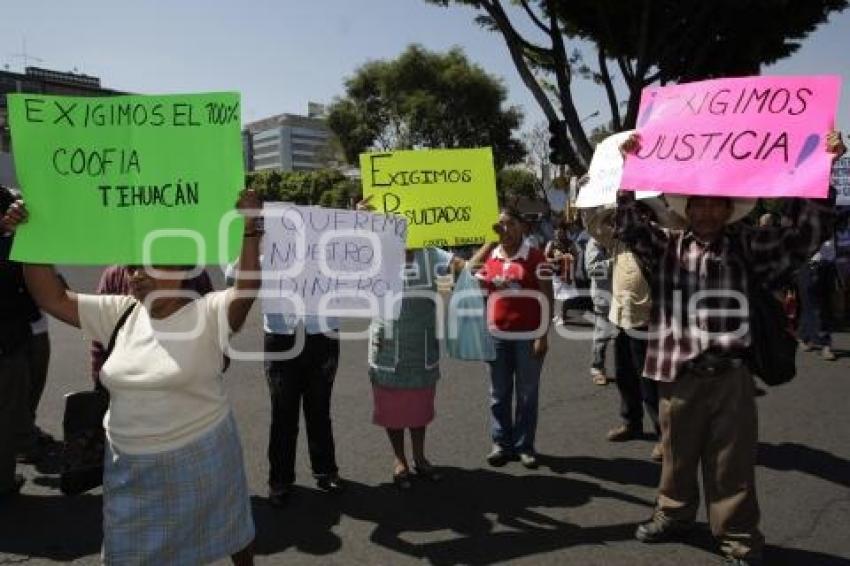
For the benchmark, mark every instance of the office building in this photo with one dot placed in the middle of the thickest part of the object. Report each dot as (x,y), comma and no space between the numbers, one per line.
(38,81)
(288,142)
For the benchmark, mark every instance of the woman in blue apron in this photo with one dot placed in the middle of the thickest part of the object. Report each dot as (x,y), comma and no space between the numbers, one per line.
(404,358)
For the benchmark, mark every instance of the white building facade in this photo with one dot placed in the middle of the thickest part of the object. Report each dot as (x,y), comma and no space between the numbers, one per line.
(286,142)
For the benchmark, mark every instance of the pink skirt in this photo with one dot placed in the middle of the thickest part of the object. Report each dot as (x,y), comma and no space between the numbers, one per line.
(403,408)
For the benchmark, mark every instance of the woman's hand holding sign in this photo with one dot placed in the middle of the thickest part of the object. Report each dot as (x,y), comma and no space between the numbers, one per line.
(15,215)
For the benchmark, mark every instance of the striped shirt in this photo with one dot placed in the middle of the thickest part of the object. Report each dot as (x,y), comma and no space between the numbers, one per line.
(700,289)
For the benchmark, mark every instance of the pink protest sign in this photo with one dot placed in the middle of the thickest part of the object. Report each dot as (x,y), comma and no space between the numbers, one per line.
(743,137)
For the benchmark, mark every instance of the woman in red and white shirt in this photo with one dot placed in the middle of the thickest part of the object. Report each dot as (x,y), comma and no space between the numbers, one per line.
(518,279)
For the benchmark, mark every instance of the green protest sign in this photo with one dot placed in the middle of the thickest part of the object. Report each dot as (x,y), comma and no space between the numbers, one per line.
(448,196)
(128,179)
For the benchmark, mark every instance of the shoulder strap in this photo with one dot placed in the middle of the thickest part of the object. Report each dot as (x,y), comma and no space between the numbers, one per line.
(124,316)
(111,344)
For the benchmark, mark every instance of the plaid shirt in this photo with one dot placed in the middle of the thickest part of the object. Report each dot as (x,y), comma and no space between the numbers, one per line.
(700,290)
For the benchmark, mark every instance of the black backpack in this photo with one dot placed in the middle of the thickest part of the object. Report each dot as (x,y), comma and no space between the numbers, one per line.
(773,351)
(772,354)
(84,438)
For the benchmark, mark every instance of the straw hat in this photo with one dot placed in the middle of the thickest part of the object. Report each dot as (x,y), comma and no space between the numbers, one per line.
(664,214)
(741,206)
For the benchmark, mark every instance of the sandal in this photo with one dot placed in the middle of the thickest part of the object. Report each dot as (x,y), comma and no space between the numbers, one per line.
(402,480)
(427,472)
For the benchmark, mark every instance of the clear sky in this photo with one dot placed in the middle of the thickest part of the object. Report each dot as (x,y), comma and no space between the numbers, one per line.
(281,54)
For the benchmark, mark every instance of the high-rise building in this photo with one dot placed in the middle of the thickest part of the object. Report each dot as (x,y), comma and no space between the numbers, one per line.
(287,142)
(36,80)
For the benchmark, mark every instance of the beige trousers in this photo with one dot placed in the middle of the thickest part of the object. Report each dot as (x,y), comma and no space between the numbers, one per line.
(711,421)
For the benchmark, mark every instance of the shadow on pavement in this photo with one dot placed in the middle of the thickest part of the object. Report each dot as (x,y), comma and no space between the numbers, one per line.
(471,517)
(624,471)
(306,524)
(484,516)
(818,463)
(778,556)
(51,527)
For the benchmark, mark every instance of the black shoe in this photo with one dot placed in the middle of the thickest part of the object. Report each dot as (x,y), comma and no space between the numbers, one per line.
(331,484)
(32,455)
(624,432)
(279,496)
(402,480)
(498,457)
(663,529)
(425,471)
(15,489)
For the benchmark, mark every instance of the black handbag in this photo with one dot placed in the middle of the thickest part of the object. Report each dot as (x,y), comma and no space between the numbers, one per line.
(84,437)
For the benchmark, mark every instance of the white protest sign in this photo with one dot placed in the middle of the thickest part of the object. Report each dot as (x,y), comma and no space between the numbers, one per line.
(329,262)
(605,172)
(841,180)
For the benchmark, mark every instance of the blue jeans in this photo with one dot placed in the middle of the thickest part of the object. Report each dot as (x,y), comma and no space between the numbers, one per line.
(515,365)
(815,283)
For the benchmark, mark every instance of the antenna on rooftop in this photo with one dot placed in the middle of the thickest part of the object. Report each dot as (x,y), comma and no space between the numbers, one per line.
(25,56)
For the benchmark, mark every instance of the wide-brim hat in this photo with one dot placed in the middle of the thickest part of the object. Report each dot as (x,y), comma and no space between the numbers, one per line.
(741,207)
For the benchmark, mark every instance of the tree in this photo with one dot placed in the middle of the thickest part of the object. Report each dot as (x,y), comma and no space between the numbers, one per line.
(326,187)
(649,41)
(425,99)
(536,140)
(514,183)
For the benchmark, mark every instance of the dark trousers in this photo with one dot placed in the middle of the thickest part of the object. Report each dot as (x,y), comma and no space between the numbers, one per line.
(14,387)
(39,359)
(637,393)
(307,377)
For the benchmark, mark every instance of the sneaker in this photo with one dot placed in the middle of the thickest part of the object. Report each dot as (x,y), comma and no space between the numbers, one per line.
(498,457)
(828,354)
(331,484)
(279,496)
(529,460)
(557,320)
(598,376)
(657,454)
(624,432)
(662,529)
(808,347)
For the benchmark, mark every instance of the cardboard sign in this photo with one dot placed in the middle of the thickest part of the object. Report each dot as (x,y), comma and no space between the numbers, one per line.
(447,196)
(743,137)
(332,262)
(841,180)
(605,174)
(128,179)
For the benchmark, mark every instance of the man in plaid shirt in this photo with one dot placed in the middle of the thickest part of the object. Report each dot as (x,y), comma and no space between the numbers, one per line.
(697,345)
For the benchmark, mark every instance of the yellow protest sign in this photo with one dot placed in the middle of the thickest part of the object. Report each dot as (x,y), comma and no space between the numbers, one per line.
(448,196)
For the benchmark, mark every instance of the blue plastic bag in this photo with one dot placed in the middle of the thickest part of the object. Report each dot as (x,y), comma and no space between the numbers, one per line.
(466,336)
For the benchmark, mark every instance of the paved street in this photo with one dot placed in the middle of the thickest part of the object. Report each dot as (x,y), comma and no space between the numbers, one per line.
(580,507)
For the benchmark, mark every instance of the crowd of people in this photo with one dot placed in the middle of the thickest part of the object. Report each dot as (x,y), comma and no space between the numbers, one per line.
(174,483)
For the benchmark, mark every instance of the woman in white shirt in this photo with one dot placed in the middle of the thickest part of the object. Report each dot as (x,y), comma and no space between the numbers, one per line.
(174,489)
